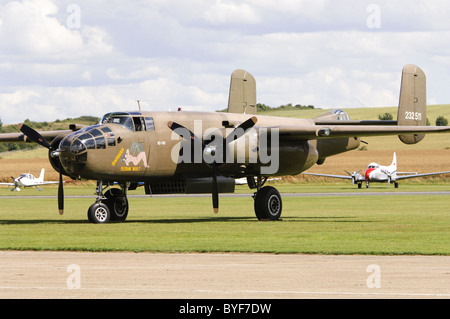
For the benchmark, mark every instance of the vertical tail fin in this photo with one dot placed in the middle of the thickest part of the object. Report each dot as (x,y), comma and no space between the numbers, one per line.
(242,96)
(41,177)
(394,162)
(413,100)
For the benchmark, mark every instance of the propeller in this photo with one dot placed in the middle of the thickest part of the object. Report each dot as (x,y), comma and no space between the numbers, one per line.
(38,138)
(235,134)
(353,175)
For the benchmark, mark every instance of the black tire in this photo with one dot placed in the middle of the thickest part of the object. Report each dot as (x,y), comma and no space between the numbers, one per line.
(117,204)
(99,213)
(268,204)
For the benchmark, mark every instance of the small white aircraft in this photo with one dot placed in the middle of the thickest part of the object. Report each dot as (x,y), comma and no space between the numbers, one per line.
(28,180)
(379,173)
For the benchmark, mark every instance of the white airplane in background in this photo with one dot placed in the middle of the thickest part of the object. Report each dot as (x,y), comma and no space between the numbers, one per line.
(28,180)
(379,173)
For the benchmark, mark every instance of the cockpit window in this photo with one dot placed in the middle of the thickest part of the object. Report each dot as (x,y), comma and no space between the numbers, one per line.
(150,124)
(109,136)
(341,115)
(123,119)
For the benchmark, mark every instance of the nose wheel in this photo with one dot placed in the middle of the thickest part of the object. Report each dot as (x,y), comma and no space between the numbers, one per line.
(112,206)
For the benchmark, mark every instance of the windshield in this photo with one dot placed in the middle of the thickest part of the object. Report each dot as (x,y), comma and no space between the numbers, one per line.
(123,119)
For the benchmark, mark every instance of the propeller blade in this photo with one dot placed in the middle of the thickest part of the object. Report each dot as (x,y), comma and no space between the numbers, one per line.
(241,129)
(174,126)
(33,135)
(60,195)
(215,190)
(235,134)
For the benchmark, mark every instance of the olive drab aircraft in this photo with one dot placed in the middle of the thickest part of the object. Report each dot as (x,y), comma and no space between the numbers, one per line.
(378,173)
(204,152)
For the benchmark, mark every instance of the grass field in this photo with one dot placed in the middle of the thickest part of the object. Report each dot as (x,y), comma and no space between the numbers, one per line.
(320,225)
(406,224)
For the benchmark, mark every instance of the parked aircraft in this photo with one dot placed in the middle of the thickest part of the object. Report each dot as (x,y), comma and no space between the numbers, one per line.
(378,173)
(28,180)
(204,152)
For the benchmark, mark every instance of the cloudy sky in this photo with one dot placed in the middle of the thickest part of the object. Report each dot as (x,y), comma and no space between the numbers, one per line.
(62,59)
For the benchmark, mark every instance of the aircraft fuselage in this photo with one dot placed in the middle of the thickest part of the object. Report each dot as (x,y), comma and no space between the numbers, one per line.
(139,146)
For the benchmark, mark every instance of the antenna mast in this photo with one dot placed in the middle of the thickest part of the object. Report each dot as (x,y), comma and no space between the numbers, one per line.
(139,105)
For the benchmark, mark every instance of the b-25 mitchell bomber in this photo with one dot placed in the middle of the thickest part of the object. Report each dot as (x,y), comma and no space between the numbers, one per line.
(204,152)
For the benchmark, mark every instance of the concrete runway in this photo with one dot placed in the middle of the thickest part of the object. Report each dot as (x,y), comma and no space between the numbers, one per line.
(209,276)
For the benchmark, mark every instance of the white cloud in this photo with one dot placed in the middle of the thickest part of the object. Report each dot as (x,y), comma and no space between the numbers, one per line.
(181,53)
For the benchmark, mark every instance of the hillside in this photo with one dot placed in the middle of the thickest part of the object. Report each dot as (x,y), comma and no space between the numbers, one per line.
(42,126)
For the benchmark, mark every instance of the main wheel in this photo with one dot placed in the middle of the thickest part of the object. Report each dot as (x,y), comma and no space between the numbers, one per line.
(117,204)
(99,213)
(268,204)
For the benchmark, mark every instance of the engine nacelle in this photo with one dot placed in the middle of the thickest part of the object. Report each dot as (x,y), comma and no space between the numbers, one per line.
(54,160)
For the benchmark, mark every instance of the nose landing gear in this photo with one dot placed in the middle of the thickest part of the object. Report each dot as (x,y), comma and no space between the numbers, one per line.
(112,206)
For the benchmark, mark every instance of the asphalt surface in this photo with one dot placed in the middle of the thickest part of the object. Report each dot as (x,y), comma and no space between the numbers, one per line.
(25,274)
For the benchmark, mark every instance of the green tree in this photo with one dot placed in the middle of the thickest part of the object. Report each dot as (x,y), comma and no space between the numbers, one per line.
(441,121)
(385,117)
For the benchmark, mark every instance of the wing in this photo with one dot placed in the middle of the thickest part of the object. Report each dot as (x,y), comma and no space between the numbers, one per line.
(313,131)
(329,175)
(10,184)
(20,137)
(48,135)
(420,175)
(46,183)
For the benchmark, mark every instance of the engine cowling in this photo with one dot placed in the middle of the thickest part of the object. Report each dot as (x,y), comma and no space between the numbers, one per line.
(54,160)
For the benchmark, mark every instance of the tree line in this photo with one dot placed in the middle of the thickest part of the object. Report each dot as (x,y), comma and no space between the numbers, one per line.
(41,126)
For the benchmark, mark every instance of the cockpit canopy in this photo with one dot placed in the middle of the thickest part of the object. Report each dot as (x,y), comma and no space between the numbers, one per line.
(134,121)
(373,165)
(333,115)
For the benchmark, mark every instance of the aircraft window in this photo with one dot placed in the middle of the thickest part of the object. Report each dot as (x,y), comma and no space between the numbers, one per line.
(111,140)
(96,133)
(341,115)
(150,124)
(82,158)
(100,141)
(77,146)
(139,124)
(90,144)
(109,136)
(124,120)
(65,144)
(106,130)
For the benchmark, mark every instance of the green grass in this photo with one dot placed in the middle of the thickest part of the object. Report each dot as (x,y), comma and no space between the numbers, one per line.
(320,225)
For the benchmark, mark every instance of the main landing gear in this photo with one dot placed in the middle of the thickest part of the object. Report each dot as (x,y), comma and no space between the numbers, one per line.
(268,203)
(110,206)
